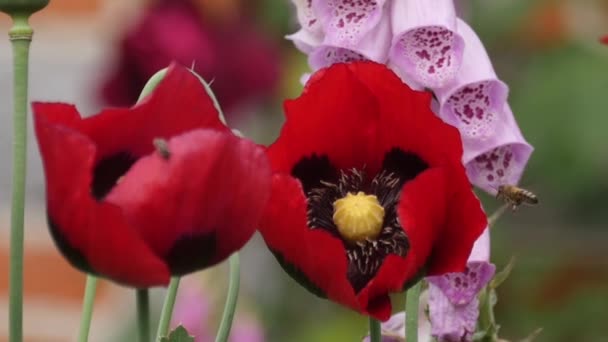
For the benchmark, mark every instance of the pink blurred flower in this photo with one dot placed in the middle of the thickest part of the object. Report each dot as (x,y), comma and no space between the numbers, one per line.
(246,329)
(173,30)
(453,302)
(193,310)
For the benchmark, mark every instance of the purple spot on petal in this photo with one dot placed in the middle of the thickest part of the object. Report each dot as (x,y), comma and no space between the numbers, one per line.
(429,51)
(495,165)
(330,55)
(474,101)
(351,18)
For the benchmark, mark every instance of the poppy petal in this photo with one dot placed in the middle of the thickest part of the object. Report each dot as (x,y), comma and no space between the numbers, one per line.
(419,220)
(407,119)
(83,228)
(131,130)
(211,188)
(465,221)
(336,117)
(178,104)
(422,211)
(313,254)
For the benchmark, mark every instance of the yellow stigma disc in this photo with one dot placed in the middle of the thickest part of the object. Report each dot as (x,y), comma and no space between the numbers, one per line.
(358,216)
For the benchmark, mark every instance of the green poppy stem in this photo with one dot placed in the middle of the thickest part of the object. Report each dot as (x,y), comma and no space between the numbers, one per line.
(20,36)
(411,312)
(87,308)
(231,299)
(375,330)
(143,315)
(167,312)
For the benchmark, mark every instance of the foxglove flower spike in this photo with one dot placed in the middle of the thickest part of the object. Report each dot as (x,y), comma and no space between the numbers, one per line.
(473,102)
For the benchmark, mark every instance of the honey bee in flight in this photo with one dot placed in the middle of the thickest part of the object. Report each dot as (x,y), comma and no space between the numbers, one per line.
(515,196)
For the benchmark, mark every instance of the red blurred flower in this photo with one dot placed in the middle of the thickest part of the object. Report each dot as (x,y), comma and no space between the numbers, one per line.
(358,128)
(119,208)
(604,39)
(243,64)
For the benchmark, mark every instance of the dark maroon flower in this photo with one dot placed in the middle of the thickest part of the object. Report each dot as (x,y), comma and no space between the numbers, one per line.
(161,188)
(242,63)
(368,190)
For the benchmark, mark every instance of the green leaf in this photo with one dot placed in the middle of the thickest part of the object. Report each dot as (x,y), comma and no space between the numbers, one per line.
(180,334)
(480,335)
(533,335)
(501,276)
(493,298)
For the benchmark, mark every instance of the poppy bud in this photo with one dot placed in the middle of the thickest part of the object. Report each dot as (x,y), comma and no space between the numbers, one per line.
(22,7)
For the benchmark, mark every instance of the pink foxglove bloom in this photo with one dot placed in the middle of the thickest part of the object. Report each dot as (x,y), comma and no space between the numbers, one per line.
(310,34)
(335,31)
(499,160)
(393,330)
(495,152)
(354,30)
(453,302)
(474,101)
(426,45)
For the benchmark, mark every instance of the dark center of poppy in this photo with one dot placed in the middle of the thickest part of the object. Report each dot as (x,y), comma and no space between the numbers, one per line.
(109,170)
(371,230)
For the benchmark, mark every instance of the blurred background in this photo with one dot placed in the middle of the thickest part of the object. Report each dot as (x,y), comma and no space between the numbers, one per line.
(100,52)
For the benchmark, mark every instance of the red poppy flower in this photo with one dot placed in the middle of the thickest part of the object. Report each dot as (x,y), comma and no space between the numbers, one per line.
(604,39)
(359,135)
(121,208)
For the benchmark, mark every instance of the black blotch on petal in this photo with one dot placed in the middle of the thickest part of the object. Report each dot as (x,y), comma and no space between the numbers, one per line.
(312,170)
(298,276)
(191,253)
(107,172)
(405,165)
(74,256)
